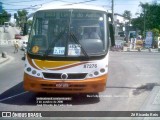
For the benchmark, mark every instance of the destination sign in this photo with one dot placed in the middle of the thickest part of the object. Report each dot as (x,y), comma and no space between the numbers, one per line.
(66,14)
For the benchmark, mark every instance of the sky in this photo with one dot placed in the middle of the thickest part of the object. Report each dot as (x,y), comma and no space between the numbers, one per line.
(120,6)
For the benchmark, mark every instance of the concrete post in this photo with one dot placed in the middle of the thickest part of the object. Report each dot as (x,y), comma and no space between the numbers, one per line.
(149,49)
(4,54)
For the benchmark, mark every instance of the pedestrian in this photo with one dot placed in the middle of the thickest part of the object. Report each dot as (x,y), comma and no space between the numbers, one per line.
(16,46)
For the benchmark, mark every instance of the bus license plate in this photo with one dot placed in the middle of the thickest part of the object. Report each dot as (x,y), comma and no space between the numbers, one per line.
(62,85)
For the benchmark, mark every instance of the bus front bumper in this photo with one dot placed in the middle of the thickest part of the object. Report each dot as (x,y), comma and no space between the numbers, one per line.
(91,85)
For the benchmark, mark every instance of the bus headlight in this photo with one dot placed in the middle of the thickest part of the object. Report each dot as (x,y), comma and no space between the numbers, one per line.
(28,69)
(102,70)
(97,73)
(90,75)
(38,74)
(34,72)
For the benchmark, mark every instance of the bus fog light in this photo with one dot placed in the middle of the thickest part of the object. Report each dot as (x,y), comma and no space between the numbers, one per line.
(96,73)
(28,69)
(34,72)
(38,74)
(90,75)
(102,70)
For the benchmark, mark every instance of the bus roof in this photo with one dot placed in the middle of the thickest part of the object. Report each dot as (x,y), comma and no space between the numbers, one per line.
(72,6)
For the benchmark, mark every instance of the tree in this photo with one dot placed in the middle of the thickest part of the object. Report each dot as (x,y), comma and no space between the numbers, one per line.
(127,14)
(138,23)
(155,32)
(29,22)
(21,17)
(4,17)
(149,18)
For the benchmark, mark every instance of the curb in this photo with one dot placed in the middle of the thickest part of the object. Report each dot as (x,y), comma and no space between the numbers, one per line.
(136,51)
(5,60)
(151,104)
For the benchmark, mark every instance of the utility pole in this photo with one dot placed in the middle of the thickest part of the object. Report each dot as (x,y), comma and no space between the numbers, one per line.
(144,25)
(113,27)
(112,11)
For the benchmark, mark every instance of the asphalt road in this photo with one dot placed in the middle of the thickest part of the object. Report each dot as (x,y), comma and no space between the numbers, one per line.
(132,76)
(8,33)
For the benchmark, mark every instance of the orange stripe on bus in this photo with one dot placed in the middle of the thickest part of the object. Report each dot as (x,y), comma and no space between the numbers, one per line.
(31,63)
(69,66)
(56,65)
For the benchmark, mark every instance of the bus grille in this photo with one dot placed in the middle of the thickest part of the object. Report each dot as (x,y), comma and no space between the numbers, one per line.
(70,75)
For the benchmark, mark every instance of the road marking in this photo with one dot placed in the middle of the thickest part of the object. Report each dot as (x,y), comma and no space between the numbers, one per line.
(12,96)
(147,75)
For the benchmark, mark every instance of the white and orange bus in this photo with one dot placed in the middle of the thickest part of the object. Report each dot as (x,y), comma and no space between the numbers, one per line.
(68,50)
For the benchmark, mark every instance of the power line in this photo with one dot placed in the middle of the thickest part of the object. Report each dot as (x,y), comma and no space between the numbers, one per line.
(69,3)
(81,2)
(35,1)
(12,4)
(22,1)
(34,7)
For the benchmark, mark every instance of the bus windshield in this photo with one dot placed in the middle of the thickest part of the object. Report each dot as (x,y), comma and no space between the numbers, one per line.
(68,33)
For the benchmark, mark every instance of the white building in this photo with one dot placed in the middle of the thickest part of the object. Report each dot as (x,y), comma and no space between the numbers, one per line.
(120,24)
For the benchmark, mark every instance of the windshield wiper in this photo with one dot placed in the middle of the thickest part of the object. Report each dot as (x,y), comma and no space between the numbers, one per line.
(53,42)
(76,40)
(73,36)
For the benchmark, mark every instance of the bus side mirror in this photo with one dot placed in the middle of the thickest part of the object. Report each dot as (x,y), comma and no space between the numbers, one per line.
(111,30)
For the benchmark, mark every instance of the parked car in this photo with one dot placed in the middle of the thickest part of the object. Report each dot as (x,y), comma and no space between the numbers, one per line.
(18,36)
(24,45)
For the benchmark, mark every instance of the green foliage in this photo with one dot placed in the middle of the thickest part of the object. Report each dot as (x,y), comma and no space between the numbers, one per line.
(29,22)
(155,36)
(149,18)
(127,14)
(22,13)
(4,17)
(138,23)
(155,32)
(21,18)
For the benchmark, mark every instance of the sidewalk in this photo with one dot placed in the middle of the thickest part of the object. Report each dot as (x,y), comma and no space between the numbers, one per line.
(2,59)
(152,105)
(127,49)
